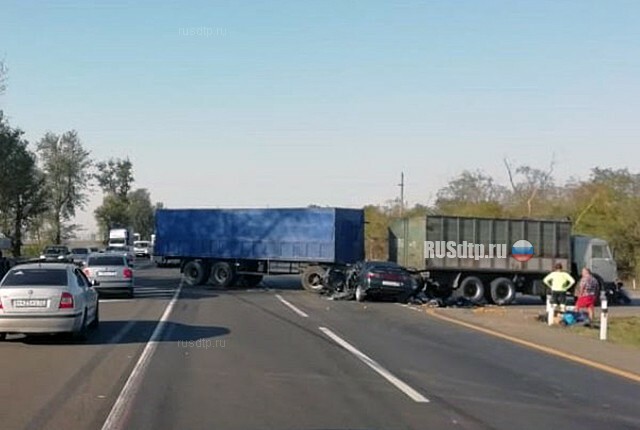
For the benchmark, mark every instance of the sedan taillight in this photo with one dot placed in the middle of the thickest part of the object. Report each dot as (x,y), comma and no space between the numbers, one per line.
(66,301)
(128,273)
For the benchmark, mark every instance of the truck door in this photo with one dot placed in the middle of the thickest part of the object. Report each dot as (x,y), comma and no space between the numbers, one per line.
(602,263)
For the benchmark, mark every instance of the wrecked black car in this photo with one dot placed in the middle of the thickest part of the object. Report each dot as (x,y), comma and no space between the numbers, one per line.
(372,280)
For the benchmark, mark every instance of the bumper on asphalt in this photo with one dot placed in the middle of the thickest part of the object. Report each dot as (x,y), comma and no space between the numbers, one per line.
(40,324)
(114,287)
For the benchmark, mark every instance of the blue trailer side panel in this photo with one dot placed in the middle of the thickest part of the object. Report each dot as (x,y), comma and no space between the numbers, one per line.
(302,235)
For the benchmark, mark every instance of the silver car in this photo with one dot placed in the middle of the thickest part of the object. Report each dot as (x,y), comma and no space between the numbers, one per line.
(47,298)
(113,272)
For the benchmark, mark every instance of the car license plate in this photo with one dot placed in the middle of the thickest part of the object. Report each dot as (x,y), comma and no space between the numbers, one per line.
(391,283)
(30,303)
(106,273)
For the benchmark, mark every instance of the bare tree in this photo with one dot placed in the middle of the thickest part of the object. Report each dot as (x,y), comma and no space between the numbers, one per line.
(534,181)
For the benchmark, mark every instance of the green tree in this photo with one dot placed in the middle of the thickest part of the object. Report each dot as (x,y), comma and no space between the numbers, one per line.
(66,165)
(115,176)
(141,212)
(113,211)
(375,232)
(607,205)
(471,194)
(22,186)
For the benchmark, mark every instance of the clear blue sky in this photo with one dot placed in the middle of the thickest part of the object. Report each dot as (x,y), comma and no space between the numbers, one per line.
(293,103)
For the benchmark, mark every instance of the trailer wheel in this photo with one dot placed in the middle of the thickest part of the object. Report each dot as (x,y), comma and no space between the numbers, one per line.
(194,273)
(472,289)
(503,291)
(312,278)
(222,275)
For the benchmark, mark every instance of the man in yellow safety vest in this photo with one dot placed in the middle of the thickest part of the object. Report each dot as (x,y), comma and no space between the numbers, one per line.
(559,282)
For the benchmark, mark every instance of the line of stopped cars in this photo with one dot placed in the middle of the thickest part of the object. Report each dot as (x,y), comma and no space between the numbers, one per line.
(59,292)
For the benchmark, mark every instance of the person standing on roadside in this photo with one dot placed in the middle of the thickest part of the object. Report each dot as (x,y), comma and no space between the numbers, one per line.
(587,293)
(559,282)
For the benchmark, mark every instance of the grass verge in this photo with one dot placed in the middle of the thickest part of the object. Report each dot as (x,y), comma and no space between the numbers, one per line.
(621,330)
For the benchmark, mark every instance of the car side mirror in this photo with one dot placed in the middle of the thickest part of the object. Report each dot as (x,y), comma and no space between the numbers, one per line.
(95,283)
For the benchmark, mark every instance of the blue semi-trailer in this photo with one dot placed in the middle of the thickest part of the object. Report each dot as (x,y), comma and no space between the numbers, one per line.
(224,247)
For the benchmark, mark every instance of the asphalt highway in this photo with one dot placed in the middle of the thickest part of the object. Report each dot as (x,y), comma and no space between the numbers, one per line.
(276,357)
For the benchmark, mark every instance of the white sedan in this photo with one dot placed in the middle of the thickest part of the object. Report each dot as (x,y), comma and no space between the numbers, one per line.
(47,298)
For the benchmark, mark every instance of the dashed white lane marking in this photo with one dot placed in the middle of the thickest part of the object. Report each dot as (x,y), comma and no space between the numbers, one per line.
(118,414)
(400,385)
(291,306)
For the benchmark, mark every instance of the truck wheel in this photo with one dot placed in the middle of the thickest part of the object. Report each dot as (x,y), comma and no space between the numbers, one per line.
(250,281)
(222,275)
(312,278)
(194,273)
(503,291)
(472,289)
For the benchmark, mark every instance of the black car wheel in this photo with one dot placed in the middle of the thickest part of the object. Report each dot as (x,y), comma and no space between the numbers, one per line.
(82,333)
(96,319)
(312,278)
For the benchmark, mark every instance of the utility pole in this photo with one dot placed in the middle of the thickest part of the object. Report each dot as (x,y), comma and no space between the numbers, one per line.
(405,223)
(401,185)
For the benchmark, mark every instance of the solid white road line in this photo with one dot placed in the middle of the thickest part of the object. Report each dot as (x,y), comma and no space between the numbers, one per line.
(400,385)
(116,418)
(292,307)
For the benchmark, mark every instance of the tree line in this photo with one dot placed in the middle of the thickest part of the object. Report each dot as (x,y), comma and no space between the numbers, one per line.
(42,189)
(606,204)
(43,186)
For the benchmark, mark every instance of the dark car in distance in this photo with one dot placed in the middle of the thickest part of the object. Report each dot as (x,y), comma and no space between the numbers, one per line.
(381,280)
(55,252)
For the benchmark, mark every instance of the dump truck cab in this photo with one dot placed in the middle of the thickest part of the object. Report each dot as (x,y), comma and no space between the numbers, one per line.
(594,254)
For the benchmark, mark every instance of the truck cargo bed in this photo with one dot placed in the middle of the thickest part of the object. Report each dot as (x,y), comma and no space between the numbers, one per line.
(318,235)
(551,240)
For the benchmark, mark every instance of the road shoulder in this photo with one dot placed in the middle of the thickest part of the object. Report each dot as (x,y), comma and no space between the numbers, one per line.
(519,326)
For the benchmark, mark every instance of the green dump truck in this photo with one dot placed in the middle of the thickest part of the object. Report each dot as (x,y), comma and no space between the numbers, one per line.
(483,258)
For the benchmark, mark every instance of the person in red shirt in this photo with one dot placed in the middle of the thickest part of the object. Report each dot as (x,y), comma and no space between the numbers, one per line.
(587,293)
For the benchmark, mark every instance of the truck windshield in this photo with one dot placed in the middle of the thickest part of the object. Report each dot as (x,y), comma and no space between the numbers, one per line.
(600,251)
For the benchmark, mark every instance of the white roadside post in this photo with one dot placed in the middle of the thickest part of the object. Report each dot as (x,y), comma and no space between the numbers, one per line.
(549,310)
(604,315)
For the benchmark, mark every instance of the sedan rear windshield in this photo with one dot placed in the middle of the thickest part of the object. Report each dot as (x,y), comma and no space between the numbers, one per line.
(106,260)
(79,251)
(35,277)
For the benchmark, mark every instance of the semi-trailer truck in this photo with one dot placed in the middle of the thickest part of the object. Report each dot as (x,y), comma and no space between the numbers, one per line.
(493,277)
(224,247)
